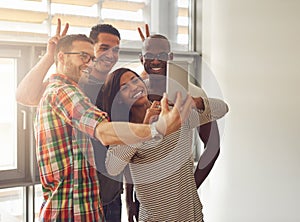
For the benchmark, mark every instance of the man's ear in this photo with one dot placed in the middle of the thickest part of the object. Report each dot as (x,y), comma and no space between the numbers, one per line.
(141,58)
(60,57)
(171,56)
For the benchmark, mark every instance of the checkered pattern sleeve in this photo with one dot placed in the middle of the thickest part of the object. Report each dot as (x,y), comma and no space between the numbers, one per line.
(77,110)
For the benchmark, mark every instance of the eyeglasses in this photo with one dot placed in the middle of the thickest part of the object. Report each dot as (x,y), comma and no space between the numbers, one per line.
(163,56)
(85,57)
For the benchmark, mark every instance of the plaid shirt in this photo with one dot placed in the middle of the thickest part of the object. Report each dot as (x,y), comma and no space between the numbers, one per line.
(64,123)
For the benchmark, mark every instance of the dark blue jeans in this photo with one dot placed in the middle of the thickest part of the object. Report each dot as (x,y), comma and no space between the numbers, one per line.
(112,211)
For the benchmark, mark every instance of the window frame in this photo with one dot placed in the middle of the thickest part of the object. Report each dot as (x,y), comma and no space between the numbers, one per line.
(25,172)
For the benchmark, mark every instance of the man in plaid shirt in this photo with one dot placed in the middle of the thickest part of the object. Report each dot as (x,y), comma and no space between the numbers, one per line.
(65,122)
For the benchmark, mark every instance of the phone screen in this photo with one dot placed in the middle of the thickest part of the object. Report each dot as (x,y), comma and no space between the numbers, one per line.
(177,79)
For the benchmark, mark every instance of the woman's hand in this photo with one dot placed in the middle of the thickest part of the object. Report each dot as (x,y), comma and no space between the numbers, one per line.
(152,113)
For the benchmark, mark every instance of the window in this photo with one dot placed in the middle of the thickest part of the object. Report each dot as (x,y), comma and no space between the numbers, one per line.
(11,204)
(11,148)
(8,128)
(35,20)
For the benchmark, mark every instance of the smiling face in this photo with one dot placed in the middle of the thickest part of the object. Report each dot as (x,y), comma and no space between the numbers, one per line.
(133,90)
(155,54)
(73,64)
(107,54)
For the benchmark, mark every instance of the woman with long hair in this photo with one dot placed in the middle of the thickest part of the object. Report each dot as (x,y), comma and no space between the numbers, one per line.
(161,169)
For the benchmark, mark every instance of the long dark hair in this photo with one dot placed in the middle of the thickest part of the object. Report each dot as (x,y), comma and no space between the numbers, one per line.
(110,98)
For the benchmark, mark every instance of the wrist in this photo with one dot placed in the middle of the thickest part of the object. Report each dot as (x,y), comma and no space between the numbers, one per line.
(48,58)
(199,103)
(155,134)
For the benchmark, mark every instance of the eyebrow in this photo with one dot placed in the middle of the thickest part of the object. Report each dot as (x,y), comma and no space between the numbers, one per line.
(129,80)
(103,45)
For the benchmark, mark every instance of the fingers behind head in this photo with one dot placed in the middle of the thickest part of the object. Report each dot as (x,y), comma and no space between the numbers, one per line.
(58,28)
(141,32)
(147,30)
(65,29)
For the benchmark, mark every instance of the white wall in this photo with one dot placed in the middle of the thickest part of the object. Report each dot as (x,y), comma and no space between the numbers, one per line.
(253,48)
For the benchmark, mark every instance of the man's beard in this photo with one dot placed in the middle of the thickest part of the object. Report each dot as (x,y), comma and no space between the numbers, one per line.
(77,73)
(102,69)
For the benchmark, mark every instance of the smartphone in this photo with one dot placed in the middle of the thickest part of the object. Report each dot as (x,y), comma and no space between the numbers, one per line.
(177,79)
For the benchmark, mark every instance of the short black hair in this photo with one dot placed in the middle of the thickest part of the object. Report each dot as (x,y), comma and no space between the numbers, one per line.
(103,28)
(156,36)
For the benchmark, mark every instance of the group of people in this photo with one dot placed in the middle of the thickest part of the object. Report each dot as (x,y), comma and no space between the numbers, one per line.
(92,128)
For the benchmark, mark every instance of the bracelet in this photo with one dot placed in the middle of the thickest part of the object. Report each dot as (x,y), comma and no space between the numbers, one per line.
(157,136)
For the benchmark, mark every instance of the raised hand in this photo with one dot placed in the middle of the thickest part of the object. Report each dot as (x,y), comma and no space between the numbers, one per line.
(171,120)
(32,86)
(52,42)
(141,32)
(152,113)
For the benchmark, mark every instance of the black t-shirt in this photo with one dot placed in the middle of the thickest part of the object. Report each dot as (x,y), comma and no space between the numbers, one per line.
(110,186)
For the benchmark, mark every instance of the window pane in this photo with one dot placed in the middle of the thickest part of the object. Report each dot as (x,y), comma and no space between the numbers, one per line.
(37,201)
(24,17)
(8,126)
(36,20)
(11,205)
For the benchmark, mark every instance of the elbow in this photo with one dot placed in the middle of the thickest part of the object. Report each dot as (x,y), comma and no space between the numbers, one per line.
(111,171)
(101,133)
(25,99)
(226,108)
(220,110)
(20,97)
(112,166)
(104,141)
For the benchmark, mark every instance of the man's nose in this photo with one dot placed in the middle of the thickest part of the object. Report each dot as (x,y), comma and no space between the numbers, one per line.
(109,53)
(156,60)
(133,86)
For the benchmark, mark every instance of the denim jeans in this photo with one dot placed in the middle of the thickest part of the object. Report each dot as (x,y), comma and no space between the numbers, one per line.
(112,211)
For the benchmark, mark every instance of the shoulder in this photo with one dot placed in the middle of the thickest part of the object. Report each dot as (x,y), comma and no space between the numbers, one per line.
(62,93)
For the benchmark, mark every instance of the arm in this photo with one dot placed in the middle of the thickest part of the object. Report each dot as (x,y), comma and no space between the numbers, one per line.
(31,88)
(118,157)
(209,134)
(210,109)
(131,204)
(169,121)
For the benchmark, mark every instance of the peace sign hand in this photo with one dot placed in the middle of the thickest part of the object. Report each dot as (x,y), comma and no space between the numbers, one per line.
(52,42)
(141,33)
